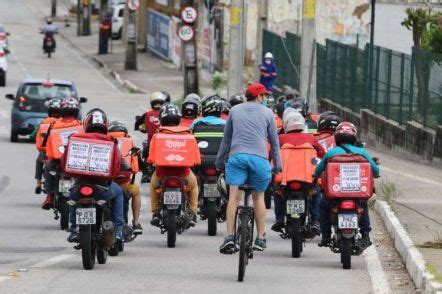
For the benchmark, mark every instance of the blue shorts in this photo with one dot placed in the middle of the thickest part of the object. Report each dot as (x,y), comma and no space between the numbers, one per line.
(249,169)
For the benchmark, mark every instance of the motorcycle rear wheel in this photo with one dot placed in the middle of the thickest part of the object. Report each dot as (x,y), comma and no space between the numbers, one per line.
(171,228)
(211,218)
(64,213)
(244,243)
(87,247)
(295,236)
(346,253)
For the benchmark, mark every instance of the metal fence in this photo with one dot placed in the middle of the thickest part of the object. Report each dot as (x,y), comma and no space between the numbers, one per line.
(401,87)
(287,54)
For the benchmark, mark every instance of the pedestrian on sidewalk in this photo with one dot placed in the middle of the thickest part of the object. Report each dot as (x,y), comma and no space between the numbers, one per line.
(268,72)
(105,30)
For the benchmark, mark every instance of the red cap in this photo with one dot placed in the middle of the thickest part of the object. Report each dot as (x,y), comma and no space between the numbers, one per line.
(257,89)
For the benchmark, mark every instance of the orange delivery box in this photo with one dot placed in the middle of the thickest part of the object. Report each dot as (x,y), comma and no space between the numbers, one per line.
(348,176)
(172,150)
(296,164)
(58,139)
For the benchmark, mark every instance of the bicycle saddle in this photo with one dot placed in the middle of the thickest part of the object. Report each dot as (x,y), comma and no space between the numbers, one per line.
(247,188)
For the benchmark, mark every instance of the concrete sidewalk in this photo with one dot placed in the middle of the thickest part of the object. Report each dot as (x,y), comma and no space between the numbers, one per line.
(416,191)
(153,74)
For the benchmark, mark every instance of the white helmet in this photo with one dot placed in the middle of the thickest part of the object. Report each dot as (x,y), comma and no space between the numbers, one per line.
(268,55)
(157,99)
(293,120)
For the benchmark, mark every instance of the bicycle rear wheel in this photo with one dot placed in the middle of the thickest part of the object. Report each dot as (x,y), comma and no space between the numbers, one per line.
(243,246)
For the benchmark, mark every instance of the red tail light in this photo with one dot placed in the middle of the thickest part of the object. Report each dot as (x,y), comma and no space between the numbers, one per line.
(2,54)
(210,172)
(173,183)
(347,231)
(47,84)
(3,37)
(348,205)
(49,39)
(86,191)
(295,186)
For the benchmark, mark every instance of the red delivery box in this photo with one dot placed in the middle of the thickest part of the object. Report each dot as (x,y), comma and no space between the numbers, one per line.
(88,157)
(174,150)
(348,176)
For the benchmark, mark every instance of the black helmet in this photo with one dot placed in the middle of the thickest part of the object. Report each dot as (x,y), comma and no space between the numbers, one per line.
(70,107)
(191,105)
(48,20)
(236,99)
(169,115)
(167,95)
(157,99)
(299,104)
(54,107)
(328,121)
(226,107)
(212,105)
(116,126)
(96,121)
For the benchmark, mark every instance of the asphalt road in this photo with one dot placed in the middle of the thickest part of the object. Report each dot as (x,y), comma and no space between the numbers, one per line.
(31,240)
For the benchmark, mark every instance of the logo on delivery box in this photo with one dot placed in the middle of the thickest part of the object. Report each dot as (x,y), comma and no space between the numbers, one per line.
(175,144)
(174,157)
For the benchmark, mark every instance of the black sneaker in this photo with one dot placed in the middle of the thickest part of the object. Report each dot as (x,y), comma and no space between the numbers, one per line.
(315,228)
(325,241)
(277,227)
(38,190)
(156,219)
(228,246)
(137,229)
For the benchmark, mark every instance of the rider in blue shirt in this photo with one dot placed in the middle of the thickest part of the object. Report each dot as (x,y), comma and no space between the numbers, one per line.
(268,72)
(345,136)
(211,108)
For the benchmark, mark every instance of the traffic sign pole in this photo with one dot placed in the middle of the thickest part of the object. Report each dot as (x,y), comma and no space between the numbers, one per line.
(189,16)
(131,48)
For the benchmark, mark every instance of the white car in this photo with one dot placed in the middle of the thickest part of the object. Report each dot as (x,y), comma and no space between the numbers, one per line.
(3,67)
(117,20)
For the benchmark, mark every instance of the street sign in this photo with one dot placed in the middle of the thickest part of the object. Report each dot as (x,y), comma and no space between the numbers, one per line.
(133,5)
(189,14)
(186,33)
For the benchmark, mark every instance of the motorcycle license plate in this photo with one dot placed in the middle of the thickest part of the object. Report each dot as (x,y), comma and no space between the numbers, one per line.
(295,206)
(64,186)
(348,221)
(86,216)
(211,191)
(172,198)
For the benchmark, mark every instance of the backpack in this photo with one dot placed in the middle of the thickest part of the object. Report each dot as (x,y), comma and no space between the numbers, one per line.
(209,138)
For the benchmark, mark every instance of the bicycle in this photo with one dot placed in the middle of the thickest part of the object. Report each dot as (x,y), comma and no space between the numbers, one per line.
(244,226)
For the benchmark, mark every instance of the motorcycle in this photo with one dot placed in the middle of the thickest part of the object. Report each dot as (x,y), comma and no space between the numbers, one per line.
(297,206)
(62,187)
(174,208)
(49,44)
(212,205)
(94,222)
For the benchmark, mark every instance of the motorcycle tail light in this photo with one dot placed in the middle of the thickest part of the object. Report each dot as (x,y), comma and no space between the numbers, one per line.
(348,205)
(347,231)
(210,172)
(2,54)
(295,186)
(173,183)
(2,37)
(86,191)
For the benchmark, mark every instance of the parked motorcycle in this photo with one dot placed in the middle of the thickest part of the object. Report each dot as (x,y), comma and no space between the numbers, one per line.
(94,221)
(175,217)
(212,205)
(297,206)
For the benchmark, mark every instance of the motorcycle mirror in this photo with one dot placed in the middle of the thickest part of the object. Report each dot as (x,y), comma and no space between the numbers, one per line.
(9,96)
(315,161)
(377,160)
(83,99)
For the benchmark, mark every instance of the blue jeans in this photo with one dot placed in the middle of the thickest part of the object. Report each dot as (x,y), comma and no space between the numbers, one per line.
(115,193)
(279,207)
(326,223)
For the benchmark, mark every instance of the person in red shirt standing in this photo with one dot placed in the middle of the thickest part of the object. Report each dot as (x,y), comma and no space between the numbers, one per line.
(190,109)
(294,125)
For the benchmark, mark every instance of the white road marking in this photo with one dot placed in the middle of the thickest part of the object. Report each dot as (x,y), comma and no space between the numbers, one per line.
(378,279)
(93,68)
(2,279)
(53,260)
(411,176)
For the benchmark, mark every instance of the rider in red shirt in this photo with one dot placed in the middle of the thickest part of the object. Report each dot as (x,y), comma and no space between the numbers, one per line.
(151,120)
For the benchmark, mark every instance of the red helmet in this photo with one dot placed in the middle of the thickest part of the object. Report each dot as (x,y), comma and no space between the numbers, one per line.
(347,129)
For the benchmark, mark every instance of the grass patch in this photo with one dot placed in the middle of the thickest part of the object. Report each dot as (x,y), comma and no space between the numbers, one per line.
(388,192)
(435,244)
(432,269)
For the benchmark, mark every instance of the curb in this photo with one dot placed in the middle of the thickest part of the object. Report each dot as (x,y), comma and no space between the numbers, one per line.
(411,256)
(128,85)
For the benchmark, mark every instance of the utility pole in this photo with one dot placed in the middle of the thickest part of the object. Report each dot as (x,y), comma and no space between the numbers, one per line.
(86,18)
(370,52)
(262,25)
(54,8)
(187,34)
(79,19)
(131,45)
(236,50)
(308,59)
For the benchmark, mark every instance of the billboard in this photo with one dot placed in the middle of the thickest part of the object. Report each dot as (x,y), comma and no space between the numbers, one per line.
(158,28)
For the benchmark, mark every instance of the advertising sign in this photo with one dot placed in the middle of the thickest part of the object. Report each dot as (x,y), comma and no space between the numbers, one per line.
(158,33)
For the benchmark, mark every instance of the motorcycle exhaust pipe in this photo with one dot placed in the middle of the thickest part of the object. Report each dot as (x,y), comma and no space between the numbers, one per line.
(109,234)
